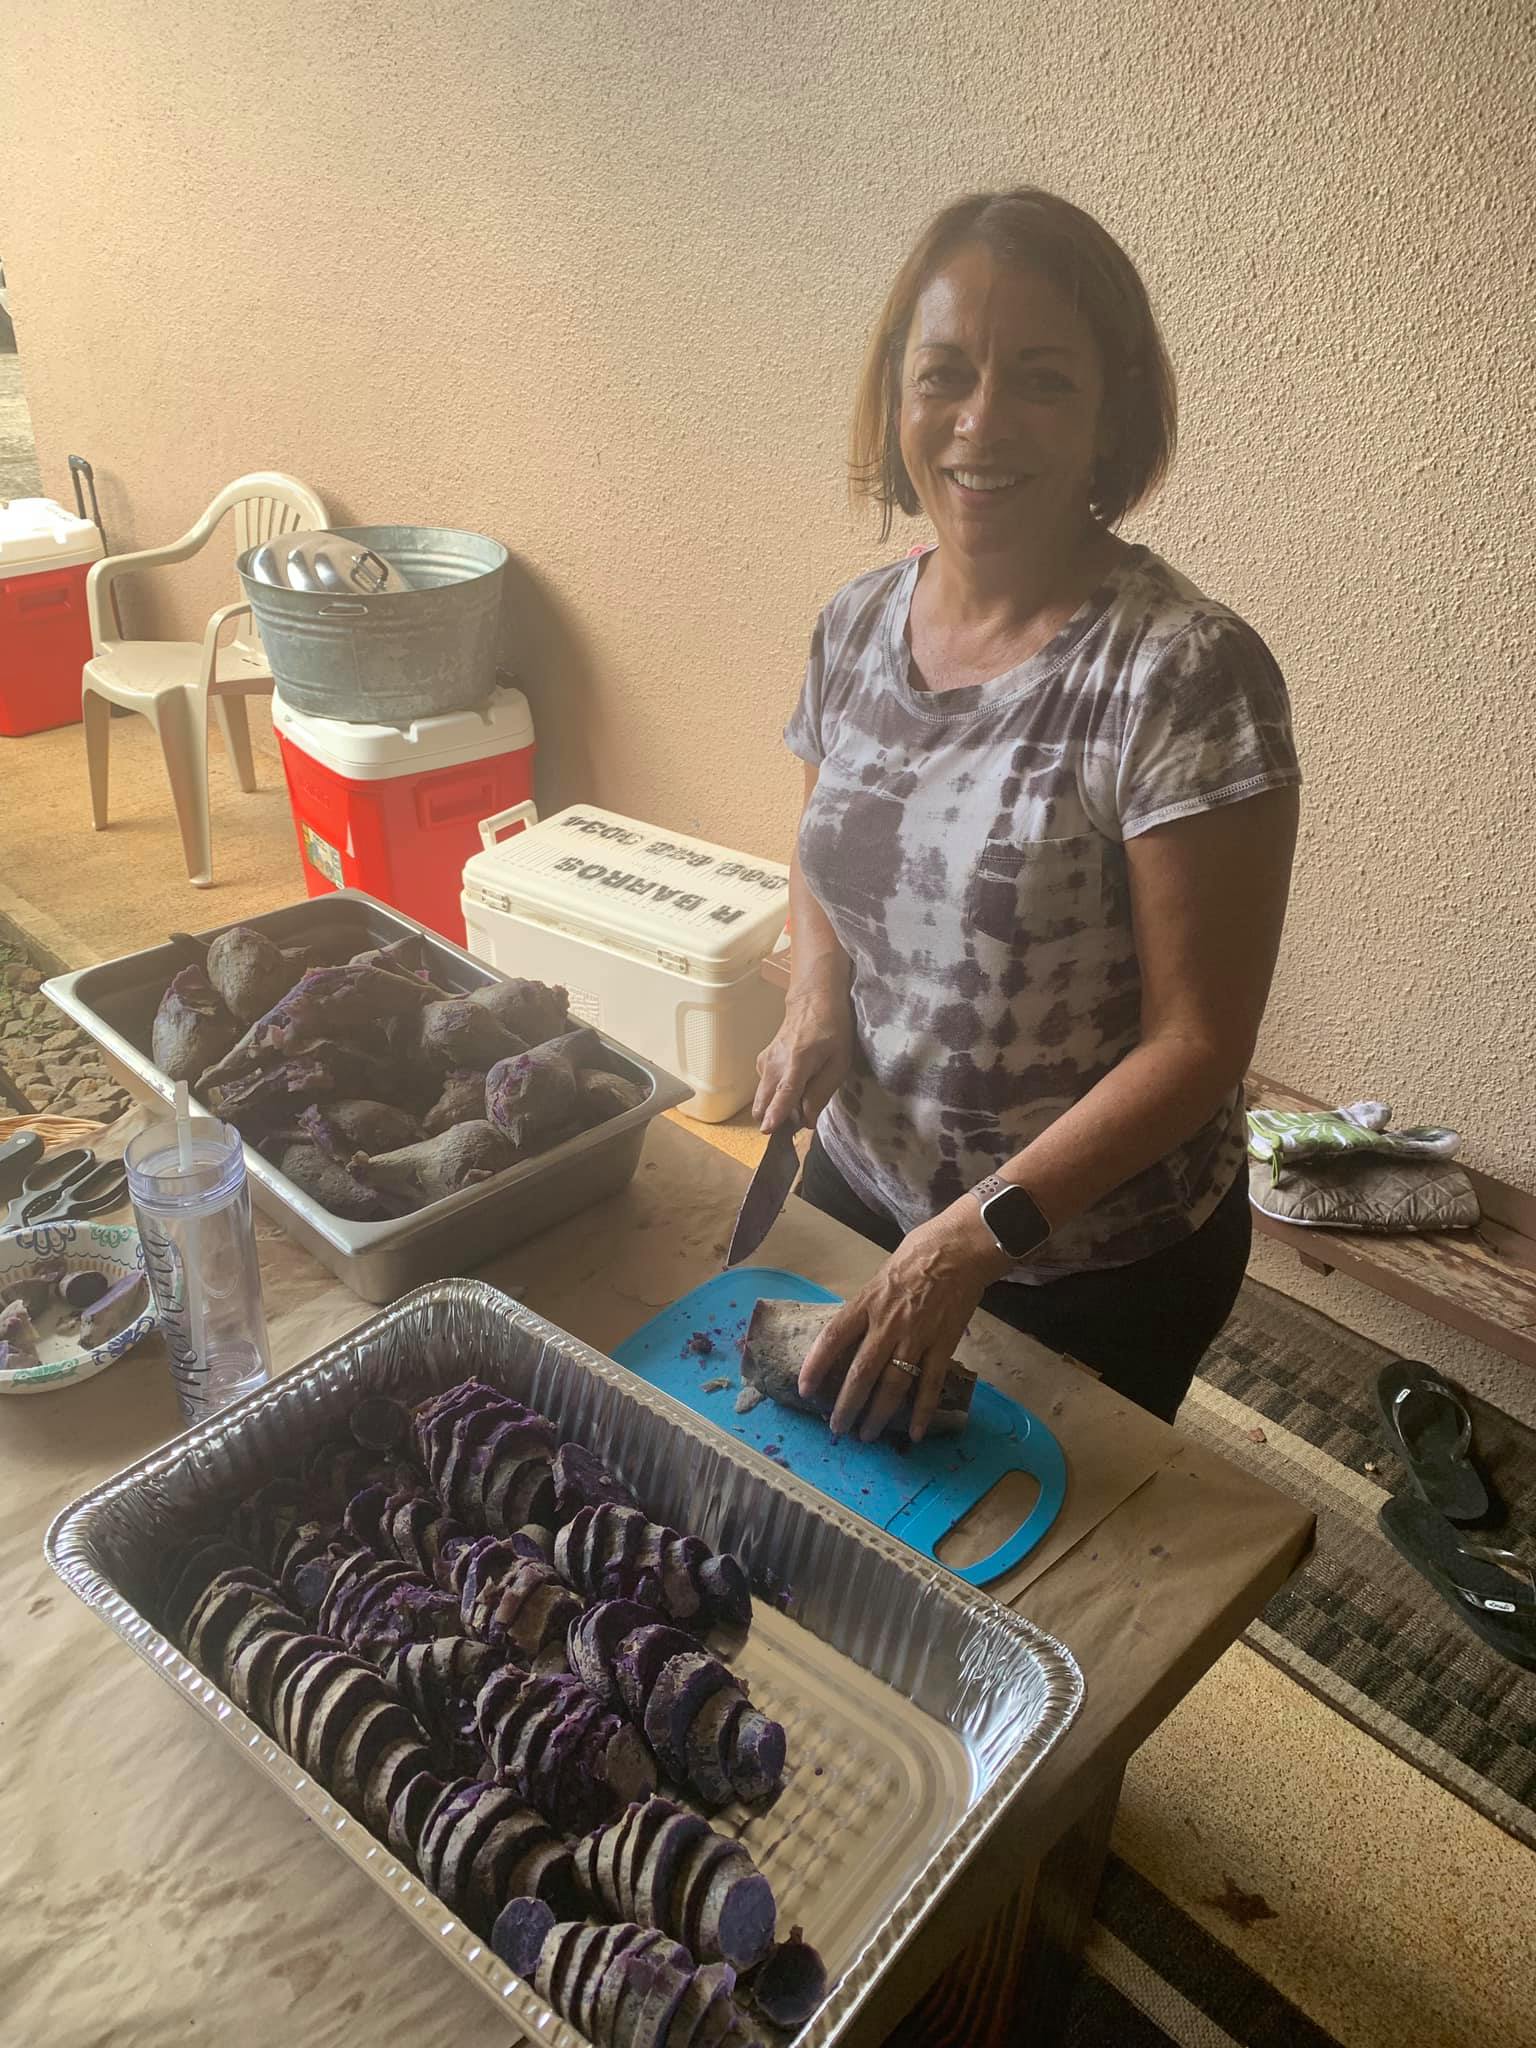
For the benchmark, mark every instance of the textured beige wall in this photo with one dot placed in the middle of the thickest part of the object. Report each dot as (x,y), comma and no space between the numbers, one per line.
(596,279)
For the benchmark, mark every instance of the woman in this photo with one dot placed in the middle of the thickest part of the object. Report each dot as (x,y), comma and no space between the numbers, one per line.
(1050,809)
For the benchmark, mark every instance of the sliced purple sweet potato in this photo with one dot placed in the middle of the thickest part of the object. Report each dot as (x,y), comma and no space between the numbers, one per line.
(629,1860)
(309,1691)
(496,1705)
(381,1742)
(594,1641)
(468,1835)
(614,1941)
(249,1673)
(408,1526)
(258,1620)
(364,1519)
(269,1684)
(757,1750)
(408,1815)
(547,1872)
(472,1432)
(583,1481)
(457,1797)
(709,1988)
(554,1959)
(690,1889)
(653,2023)
(188,1574)
(707,1747)
(232,1595)
(492,1874)
(727,1590)
(737,1916)
(663,1860)
(679,1560)
(535,1540)
(339,1704)
(682,1686)
(519,1934)
(572,1978)
(627,1764)
(641,1659)
(790,1985)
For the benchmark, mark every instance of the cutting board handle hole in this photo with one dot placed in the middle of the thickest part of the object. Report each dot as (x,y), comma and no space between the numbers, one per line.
(991,1521)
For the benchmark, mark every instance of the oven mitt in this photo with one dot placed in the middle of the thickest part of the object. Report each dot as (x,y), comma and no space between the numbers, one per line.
(1392,1197)
(1429,1427)
(1285,1137)
(1492,1591)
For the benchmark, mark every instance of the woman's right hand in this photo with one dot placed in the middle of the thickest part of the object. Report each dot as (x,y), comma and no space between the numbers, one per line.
(808,1061)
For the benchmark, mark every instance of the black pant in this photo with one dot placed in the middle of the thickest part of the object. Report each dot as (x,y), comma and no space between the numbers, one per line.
(1143,1328)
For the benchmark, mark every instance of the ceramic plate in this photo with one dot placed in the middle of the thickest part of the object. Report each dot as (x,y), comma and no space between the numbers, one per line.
(110,1248)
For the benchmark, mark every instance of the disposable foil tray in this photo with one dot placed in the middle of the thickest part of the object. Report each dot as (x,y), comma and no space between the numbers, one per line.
(916,1708)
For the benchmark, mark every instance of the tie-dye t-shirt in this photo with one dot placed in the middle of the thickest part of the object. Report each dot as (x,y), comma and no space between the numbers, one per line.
(968,848)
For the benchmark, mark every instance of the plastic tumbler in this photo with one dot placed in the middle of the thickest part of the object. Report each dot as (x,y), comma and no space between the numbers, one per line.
(192,1204)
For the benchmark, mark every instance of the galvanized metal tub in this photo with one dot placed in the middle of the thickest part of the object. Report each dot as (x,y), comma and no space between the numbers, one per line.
(116,1004)
(391,656)
(917,1708)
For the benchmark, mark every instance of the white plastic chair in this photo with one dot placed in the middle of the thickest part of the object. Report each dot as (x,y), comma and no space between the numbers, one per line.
(171,681)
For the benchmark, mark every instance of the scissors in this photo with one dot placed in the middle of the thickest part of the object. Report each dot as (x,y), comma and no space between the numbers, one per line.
(66,1189)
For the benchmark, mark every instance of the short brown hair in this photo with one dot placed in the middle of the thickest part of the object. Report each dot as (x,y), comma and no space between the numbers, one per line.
(1029,229)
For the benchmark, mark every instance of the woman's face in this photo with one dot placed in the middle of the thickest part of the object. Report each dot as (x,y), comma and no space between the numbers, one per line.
(1001,397)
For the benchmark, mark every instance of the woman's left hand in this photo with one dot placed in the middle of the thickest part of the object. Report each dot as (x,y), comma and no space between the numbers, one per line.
(915,1308)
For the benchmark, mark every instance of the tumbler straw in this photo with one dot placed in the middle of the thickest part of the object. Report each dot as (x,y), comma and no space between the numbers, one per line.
(190,1277)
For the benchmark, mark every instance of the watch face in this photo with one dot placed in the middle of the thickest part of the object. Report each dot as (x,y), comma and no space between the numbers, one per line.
(1015,1221)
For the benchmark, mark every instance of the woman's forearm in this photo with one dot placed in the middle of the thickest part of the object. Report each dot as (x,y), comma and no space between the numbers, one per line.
(1143,1109)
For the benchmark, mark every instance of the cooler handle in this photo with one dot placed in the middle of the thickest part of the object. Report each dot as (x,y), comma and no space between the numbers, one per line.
(523,815)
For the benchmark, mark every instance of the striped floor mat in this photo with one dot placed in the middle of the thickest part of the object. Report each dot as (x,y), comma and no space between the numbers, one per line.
(1289,1395)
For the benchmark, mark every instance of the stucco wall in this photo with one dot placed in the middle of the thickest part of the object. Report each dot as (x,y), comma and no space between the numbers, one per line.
(596,279)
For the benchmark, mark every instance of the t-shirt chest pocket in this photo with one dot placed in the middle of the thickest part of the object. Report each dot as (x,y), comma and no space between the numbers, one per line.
(1037,892)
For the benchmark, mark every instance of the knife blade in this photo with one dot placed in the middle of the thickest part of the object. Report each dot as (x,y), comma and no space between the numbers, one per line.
(765,1197)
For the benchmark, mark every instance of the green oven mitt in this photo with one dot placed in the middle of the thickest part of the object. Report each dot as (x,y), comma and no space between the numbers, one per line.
(1284,1137)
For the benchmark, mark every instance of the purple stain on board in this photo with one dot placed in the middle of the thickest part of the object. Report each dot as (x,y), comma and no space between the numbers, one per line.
(770,1450)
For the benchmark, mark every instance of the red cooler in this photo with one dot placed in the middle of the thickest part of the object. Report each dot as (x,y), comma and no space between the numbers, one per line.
(45,632)
(396,809)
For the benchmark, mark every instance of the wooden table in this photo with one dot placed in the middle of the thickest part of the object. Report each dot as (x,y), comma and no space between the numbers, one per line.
(157,1891)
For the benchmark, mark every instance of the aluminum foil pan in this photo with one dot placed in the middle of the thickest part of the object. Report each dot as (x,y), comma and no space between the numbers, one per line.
(916,1708)
(116,1004)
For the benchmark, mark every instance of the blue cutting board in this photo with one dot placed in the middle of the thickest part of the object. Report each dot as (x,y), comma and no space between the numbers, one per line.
(918,1494)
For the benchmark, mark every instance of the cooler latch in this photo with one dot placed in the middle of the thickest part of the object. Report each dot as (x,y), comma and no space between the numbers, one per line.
(675,963)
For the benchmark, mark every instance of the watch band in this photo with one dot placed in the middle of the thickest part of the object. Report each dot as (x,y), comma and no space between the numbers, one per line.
(994,1184)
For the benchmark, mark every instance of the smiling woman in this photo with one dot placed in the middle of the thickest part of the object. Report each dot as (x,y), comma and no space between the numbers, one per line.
(1046,847)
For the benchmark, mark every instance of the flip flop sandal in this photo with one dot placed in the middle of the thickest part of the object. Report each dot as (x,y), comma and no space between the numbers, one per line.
(1492,1591)
(1429,1427)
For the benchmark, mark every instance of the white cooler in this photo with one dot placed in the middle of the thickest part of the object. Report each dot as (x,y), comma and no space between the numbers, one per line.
(658,938)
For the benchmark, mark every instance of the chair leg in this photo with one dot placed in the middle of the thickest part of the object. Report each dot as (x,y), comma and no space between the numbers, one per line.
(181,718)
(233,723)
(97,714)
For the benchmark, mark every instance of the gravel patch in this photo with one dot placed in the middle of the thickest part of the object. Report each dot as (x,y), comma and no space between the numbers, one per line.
(47,1066)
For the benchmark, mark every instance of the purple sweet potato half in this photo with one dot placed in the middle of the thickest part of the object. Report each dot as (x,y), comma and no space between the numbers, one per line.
(790,1985)
(519,1934)
(408,1815)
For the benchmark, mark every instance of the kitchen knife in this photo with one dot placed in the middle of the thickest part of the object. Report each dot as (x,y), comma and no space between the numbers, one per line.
(765,1197)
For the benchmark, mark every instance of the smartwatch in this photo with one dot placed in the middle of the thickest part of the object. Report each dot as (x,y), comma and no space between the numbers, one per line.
(1012,1215)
